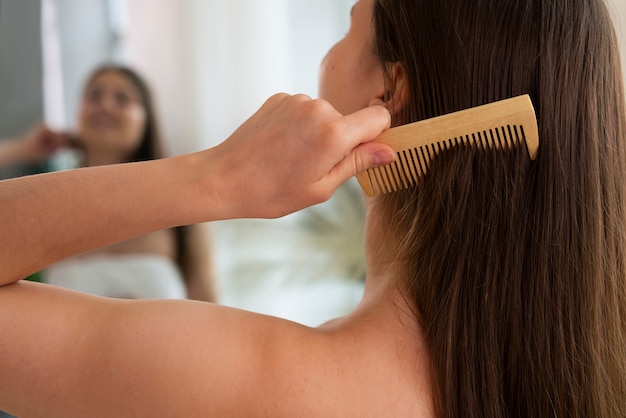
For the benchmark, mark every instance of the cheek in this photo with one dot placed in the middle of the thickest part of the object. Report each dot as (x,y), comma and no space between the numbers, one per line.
(336,81)
(82,116)
(348,78)
(135,121)
(326,73)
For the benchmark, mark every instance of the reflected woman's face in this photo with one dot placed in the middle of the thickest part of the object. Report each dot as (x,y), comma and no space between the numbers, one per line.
(350,74)
(111,117)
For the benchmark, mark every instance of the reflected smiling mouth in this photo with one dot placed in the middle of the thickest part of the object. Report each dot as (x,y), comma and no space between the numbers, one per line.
(103,122)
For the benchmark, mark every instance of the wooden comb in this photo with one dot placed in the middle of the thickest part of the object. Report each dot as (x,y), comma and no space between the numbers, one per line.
(502,124)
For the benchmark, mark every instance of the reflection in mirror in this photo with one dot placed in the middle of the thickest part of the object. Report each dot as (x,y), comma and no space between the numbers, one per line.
(211,64)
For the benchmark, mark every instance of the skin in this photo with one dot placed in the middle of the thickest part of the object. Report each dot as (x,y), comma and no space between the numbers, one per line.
(350,75)
(183,358)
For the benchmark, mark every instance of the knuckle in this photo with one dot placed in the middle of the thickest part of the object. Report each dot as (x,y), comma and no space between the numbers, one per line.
(277,98)
(311,108)
(317,106)
(302,97)
(332,130)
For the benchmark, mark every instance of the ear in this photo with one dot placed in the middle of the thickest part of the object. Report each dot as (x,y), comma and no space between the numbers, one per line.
(393,93)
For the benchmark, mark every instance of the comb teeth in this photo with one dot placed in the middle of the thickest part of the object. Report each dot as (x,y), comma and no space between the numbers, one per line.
(412,164)
(499,125)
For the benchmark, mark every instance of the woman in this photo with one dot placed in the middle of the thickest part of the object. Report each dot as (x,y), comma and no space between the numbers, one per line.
(494,288)
(117,123)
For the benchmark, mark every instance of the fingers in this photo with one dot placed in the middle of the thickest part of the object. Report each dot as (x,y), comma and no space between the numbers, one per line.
(362,128)
(367,123)
(349,139)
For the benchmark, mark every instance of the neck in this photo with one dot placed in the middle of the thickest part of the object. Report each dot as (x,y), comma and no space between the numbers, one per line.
(382,284)
(95,158)
(382,262)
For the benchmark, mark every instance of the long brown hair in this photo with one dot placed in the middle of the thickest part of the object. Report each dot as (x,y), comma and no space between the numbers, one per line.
(516,269)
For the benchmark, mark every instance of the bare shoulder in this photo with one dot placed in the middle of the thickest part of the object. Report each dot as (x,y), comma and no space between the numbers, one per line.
(356,369)
(228,362)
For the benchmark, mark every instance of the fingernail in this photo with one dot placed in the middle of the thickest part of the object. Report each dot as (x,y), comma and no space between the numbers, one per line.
(384,158)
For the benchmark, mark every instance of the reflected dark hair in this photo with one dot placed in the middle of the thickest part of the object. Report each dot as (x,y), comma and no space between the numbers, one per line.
(151,144)
(516,270)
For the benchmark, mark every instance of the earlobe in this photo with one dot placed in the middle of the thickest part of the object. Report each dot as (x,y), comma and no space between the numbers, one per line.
(393,95)
(378,101)
(382,95)
(397,95)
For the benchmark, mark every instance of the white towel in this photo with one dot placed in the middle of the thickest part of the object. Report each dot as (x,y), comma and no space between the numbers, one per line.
(119,276)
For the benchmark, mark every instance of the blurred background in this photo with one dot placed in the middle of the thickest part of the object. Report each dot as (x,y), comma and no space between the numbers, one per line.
(211,64)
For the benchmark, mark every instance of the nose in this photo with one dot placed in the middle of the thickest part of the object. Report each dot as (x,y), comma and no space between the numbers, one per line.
(105,102)
(108,102)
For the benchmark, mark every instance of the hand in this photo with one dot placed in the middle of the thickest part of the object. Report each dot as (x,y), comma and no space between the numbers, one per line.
(295,152)
(40,143)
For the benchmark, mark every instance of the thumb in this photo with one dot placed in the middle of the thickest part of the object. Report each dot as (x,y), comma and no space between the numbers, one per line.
(363,157)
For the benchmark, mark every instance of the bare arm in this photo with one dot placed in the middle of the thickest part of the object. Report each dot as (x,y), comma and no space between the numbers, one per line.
(292,153)
(65,354)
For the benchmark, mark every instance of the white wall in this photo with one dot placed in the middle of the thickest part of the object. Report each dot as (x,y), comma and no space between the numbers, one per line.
(246,50)
(214,62)
(86,42)
(156,48)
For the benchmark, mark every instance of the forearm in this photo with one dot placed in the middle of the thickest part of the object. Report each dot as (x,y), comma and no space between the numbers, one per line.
(292,153)
(51,216)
